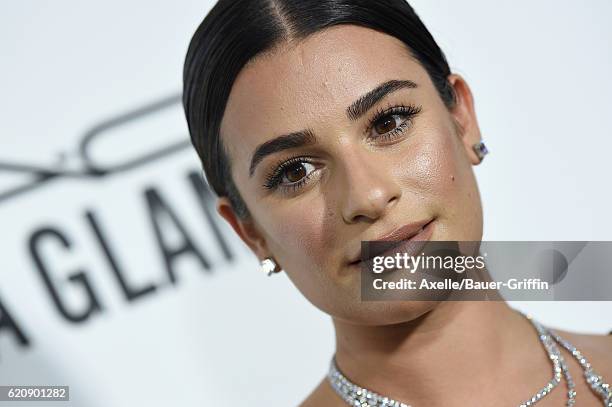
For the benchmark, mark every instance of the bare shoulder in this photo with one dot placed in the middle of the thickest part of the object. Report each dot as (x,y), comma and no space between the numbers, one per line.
(596,348)
(323,396)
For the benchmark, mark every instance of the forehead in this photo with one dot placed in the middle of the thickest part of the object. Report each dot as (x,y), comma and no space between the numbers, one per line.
(308,84)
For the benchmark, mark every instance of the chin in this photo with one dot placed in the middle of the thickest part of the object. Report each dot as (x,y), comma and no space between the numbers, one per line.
(375,313)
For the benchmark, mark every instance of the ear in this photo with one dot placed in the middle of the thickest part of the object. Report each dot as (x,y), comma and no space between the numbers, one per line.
(246,229)
(464,116)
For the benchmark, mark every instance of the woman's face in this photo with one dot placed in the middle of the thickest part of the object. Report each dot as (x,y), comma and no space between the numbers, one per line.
(350,171)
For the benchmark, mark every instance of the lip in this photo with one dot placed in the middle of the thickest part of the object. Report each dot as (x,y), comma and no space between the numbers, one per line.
(405,236)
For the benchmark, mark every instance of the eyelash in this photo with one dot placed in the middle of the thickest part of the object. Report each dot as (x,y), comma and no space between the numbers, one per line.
(273,180)
(409,111)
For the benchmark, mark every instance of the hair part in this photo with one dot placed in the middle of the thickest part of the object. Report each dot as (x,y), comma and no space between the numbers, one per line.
(236,31)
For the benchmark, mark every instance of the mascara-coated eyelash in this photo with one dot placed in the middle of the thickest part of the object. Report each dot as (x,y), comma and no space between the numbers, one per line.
(409,111)
(274,179)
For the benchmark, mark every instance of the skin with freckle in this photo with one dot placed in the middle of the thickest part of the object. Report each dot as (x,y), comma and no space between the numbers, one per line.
(358,188)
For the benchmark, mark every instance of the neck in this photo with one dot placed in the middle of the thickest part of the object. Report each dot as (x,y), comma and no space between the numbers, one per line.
(449,354)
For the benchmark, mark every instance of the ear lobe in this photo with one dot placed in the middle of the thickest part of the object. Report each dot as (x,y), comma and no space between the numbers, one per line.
(464,116)
(245,229)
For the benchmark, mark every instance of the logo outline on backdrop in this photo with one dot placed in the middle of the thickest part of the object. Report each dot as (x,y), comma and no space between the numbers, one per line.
(90,169)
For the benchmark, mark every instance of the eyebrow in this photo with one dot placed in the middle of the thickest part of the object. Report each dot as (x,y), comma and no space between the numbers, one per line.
(284,142)
(359,107)
(306,137)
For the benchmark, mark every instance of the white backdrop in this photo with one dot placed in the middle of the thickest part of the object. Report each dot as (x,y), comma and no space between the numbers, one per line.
(88,100)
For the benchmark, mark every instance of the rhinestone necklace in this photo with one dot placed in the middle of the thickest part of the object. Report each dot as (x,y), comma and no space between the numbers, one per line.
(358,396)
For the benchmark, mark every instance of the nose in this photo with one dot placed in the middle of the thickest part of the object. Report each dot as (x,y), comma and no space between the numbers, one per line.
(370,189)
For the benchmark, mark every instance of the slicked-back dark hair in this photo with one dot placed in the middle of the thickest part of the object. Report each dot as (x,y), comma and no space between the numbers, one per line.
(235,31)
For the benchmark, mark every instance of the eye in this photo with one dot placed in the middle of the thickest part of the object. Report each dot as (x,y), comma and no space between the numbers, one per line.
(295,172)
(290,174)
(390,123)
(387,123)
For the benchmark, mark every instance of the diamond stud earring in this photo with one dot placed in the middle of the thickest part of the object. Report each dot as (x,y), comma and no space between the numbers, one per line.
(269,266)
(480,149)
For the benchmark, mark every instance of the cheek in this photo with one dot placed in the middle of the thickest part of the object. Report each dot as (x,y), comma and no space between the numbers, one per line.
(456,189)
(431,169)
(449,171)
(303,242)
(437,177)
(302,235)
